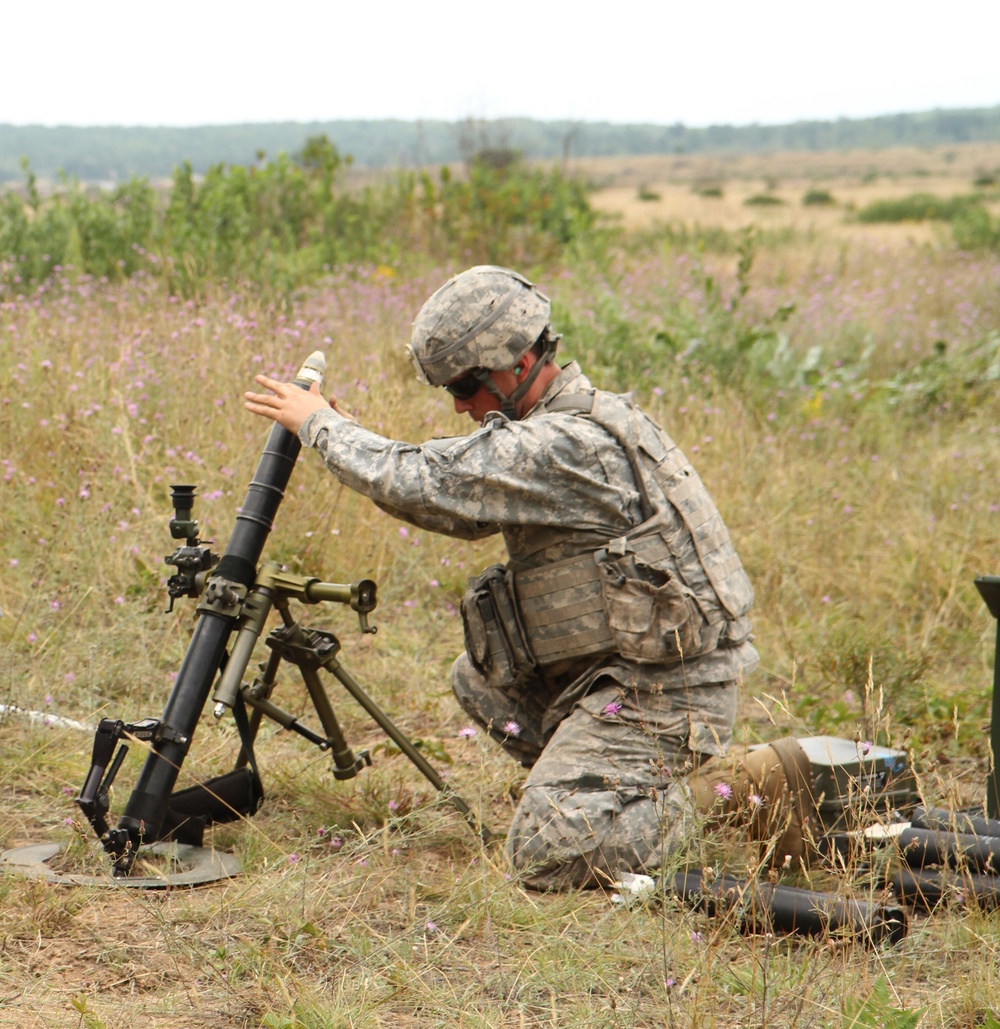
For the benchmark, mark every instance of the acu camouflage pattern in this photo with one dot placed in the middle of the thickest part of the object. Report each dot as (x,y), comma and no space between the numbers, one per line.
(559,486)
(673,587)
(487,317)
(606,792)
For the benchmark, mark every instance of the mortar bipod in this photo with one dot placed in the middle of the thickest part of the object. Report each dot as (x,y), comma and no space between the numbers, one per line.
(312,650)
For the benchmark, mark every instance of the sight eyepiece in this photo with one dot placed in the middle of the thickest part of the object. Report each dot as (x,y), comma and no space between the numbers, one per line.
(182,525)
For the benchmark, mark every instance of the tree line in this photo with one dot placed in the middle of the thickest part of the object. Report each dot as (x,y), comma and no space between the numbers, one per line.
(116,153)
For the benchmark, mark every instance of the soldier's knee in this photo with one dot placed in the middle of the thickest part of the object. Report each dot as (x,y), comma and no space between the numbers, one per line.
(561,839)
(547,849)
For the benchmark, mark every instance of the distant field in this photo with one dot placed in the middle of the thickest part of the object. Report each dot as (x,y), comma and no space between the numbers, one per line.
(854,178)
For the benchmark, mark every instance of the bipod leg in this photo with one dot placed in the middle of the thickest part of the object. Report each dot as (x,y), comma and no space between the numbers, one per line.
(345,764)
(406,745)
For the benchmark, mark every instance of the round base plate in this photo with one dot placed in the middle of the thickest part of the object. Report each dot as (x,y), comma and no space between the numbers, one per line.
(197,865)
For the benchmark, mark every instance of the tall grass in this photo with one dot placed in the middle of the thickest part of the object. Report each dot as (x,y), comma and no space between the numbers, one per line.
(840,401)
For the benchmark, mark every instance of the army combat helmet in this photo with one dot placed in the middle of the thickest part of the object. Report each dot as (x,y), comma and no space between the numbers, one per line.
(481,321)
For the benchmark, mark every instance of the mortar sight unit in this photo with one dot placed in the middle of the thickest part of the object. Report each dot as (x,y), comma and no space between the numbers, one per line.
(236,595)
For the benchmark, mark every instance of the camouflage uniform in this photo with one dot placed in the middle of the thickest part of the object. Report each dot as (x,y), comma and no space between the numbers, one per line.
(603,736)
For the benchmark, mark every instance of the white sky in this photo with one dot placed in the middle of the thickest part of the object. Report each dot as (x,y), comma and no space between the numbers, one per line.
(698,61)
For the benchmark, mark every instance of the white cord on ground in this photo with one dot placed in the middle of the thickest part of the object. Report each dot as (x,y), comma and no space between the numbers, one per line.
(43,718)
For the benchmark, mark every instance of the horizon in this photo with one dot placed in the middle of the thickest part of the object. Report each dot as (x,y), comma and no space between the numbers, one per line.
(501,119)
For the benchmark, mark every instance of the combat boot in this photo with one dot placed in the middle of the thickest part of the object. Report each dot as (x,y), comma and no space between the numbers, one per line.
(767,792)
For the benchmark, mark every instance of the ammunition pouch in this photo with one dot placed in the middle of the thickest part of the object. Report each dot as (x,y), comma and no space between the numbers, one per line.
(495,639)
(652,617)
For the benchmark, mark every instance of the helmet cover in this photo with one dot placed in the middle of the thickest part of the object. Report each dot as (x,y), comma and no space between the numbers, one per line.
(487,317)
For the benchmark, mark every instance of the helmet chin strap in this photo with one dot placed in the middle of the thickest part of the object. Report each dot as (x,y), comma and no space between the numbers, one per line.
(508,405)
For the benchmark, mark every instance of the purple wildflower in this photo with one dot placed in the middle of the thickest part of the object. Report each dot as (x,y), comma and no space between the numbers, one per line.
(723,790)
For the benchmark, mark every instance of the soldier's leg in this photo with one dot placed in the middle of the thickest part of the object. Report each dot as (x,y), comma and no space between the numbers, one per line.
(766,792)
(512,717)
(607,794)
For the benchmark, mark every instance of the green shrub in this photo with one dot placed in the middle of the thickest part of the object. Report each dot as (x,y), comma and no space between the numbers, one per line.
(103,233)
(973,229)
(763,200)
(512,214)
(818,198)
(282,223)
(916,207)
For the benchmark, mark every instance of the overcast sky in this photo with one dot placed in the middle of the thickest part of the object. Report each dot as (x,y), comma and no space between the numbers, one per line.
(699,62)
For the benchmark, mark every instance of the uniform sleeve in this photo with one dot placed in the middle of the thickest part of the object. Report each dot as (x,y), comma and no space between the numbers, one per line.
(557,470)
(460,528)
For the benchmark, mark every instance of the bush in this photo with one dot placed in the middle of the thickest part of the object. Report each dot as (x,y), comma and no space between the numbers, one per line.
(916,207)
(974,229)
(105,234)
(508,215)
(818,198)
(763,200)
(283,223)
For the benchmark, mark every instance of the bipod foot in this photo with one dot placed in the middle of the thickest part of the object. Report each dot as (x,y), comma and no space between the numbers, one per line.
(192,866)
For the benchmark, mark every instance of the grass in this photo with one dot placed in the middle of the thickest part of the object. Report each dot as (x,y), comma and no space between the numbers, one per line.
(836,390)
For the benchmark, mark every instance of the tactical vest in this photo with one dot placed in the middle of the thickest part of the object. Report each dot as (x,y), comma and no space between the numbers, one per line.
(672,588)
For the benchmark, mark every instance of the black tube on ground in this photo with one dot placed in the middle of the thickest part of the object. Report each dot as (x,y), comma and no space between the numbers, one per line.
(929,887)
(974,822)
(922,848)
(763,907)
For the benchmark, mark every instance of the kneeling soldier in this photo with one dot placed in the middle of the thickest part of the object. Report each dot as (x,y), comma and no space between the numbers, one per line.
(606,653)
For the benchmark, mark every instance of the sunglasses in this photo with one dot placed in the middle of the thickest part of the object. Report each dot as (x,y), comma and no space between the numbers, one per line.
(466,388)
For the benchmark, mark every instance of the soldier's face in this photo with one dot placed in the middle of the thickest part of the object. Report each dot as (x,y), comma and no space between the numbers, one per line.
(478,405)
(482,401)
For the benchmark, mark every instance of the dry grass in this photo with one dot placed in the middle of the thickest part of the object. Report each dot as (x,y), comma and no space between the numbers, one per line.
(862,524)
